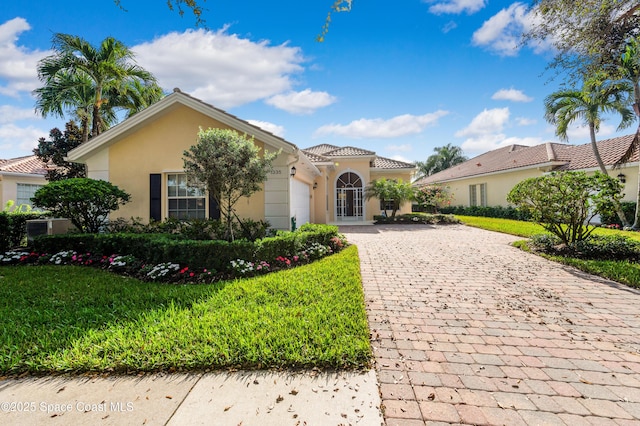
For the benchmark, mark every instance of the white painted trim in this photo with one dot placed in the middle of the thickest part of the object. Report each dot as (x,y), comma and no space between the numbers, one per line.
(335,196)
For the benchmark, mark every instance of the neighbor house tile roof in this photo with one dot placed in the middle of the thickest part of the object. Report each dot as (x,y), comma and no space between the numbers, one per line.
(549,156)
(28,165)
(388,163)
(328,153)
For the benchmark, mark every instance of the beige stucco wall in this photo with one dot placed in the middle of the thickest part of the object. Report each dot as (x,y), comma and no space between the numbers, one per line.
(499,185)
(324,196)
(157,147)
(9,185)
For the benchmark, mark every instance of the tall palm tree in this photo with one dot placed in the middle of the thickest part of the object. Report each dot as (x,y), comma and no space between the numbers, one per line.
(107,72)
(628,70)
(597,97)
(445,157)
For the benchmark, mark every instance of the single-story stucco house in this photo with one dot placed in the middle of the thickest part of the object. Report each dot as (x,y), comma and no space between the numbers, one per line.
(20,178)
(143,155)
(486,180)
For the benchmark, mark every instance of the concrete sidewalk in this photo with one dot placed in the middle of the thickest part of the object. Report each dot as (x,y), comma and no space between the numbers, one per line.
(223,398)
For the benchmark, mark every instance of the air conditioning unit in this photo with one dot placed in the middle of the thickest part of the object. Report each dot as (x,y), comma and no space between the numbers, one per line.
(50,226)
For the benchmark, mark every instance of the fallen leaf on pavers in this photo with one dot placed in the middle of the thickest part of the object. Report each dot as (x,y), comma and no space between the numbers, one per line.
(279,398)
(228,408)
(61,389)
(314,390)
(256,382)
(105,417)
(293,392)
(585,381)
(168,397)
(344,416)
(431,396)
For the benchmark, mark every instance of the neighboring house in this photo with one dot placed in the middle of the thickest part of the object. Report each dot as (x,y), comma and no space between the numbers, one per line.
(487,179)
(143,155)
(20,178)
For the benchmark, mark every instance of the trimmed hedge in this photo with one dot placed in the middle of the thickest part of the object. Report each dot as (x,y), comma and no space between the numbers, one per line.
(160,248)
(416,218)
(498,212)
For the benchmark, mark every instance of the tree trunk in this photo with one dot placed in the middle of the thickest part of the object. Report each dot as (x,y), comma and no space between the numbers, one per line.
(603,169)
(636,108)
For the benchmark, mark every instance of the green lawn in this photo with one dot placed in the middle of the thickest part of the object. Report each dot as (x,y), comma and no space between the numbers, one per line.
(69,318)
(621,271)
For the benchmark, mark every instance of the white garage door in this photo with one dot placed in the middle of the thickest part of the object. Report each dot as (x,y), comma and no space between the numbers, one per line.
(300,202)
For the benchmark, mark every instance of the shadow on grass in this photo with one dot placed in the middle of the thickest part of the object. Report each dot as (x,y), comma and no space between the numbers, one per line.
(73,319)
(44,309)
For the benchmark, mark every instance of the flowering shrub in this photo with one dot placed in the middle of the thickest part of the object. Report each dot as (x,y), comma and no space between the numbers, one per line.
(174,272)
(433,197)
(12,257)
(162,271)
(62,258)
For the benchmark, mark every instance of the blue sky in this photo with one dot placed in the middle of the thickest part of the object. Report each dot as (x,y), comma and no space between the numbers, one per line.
(399,78)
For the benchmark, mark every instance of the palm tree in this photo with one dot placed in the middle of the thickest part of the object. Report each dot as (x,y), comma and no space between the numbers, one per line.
(389,190)
(628,70)
(565,107)
(445,157)
(106,73)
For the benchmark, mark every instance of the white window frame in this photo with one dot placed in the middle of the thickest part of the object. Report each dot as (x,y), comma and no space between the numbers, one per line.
(191,202)
(26,188)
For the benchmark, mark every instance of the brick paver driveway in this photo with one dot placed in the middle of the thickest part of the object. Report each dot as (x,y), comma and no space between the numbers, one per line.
(467,329)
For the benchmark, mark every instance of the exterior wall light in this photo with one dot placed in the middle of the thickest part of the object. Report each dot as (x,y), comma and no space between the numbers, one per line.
(293,171)
(622,177)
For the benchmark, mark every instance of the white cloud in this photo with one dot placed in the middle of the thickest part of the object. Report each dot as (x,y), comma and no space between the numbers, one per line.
(455,6)
(524,121)
(220,68)
(304,102)
(485,132)
(399,148)
(487,122)
(511,95)
(10,113)
(502,32)
(20,138)
(449,26)
(400,125)
(576,133)
(18,65)
(269,127)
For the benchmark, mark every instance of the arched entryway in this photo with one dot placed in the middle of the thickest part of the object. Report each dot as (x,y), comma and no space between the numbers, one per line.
(349,197)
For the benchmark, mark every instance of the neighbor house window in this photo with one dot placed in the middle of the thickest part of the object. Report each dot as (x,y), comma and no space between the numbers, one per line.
(478,195)
(25,192)
(185,202)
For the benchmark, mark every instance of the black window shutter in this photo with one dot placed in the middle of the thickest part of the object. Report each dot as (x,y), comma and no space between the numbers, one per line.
(155,196)
(214,208)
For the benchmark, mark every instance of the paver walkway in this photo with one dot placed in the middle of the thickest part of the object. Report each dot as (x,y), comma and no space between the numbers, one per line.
(467,329)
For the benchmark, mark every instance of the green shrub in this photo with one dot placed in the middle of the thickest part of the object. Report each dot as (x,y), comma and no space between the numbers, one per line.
(416,218)
(611,218)
(176,248)
(13,228)
(498,212)
(599,247)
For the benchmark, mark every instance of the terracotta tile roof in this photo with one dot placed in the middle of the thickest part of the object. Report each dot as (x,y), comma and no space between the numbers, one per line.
(316,158)
(611,150)
(29,165)
(321,149)
(550,156)
(327,153)
(388,163)
(348,151)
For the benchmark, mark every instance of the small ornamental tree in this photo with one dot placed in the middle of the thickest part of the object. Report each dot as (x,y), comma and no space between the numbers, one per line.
(56,149)
(86,202)
(565,202)
(230,166)
(432,196)
(390,190)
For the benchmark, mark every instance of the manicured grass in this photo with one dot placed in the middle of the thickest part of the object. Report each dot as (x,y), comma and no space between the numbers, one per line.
(527,229)
(69,318)
(621,271)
